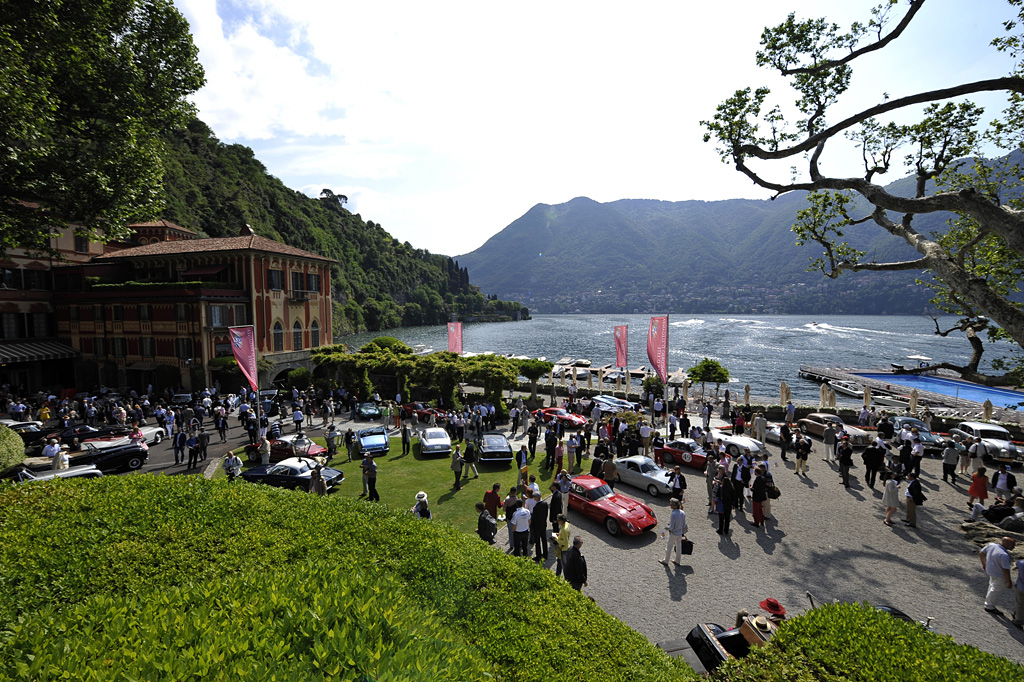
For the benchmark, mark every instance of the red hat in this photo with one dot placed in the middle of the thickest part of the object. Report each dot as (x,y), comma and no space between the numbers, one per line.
(773,606)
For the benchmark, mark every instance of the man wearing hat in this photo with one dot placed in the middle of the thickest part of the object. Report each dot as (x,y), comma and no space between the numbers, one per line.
(776,612)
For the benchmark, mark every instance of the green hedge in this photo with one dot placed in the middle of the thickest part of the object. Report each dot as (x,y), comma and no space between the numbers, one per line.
(179,577)
(856,643)
(12,448)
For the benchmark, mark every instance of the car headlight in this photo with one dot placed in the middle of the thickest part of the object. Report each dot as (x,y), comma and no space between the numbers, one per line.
(630,526)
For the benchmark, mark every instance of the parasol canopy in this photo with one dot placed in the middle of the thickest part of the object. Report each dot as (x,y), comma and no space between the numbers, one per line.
(913,401)
(867,396)
(987,410)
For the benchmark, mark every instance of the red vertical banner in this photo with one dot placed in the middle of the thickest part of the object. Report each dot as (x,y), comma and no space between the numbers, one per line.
(455,337)
(657,346)
(243,345)
(621,345)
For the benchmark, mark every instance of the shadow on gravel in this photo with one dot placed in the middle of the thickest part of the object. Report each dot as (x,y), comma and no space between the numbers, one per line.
(728,548)
(676,576)
(768,537)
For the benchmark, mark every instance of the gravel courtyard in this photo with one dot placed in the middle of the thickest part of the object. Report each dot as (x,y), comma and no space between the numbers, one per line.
(823,538)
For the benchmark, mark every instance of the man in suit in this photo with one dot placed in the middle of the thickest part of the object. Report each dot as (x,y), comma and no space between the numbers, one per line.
(1003,482)
(539,527)
(576,565)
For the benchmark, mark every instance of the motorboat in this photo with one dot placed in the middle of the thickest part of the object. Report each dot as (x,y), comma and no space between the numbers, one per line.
(847,388)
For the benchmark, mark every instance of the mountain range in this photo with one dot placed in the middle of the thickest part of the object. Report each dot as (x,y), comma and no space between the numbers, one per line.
(643,255)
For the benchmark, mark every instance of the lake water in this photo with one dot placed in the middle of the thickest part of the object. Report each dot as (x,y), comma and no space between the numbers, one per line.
(757,350)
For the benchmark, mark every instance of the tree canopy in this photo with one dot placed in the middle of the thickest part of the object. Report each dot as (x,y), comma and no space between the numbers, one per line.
(88,90)
(975,265)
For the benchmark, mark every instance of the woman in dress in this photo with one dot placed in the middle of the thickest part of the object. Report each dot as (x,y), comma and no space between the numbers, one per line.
(979,487)
(890,498)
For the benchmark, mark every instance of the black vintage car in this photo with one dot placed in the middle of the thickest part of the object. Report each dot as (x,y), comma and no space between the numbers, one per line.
(294,473)
(109,460)
(84,431)
(494,447)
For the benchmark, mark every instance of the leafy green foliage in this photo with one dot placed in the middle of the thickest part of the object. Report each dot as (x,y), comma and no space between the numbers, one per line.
(379,283)
(856,643)
(88,91)
(189,565)
(12,448)
(708,371)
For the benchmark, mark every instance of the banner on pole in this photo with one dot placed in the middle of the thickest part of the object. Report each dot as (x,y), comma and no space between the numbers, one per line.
(621,345)
(243,345)
(657,346)
(455,337)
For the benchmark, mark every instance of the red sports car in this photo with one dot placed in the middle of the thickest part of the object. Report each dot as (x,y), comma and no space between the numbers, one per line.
(684,451)
(422,410)
(619,513)
(550,414)
(286,446)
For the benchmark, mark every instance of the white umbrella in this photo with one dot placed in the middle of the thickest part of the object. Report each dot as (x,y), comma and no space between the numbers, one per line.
(590,379)
(913,402)
(783,393)
(600,376)
(987,410)
(823,392)
(686,388)
(867,396)
(831,398)
(746,394)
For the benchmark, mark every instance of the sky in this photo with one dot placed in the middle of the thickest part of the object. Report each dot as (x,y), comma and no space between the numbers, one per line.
(445,121)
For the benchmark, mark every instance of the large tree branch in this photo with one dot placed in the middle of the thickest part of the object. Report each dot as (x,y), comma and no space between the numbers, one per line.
(1010,83)
(915,5)
(919,264)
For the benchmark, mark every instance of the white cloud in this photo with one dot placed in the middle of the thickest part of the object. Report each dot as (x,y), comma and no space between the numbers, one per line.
(446,121)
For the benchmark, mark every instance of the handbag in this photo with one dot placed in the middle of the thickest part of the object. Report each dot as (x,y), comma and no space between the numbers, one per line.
(773,492)
(686,546)
(719,507)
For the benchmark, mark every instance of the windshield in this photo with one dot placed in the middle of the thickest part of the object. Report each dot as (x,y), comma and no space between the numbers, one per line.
(495,442)
(599,492)
(649,467)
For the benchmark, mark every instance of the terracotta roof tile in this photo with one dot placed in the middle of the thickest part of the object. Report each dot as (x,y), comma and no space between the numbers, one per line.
(185,246)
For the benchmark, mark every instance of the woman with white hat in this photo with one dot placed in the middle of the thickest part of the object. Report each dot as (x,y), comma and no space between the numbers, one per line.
(421,509)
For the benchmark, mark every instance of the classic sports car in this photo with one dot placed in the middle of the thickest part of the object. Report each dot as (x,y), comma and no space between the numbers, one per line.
(815,423)
(29,431)
(995,438)
(684,451)
(619,513)
(735,445)
(421,410)
(154,435)
(83,471)
(292,445)
(111,460)
(435,441)
(641,472)
(611,404)
(374,440)
(551,414)
(369,411)
(293,473)
(932,444)
(83,432)
(494,447)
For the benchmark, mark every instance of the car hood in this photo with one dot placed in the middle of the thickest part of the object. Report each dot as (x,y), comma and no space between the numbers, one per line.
(623,507)
(999,444)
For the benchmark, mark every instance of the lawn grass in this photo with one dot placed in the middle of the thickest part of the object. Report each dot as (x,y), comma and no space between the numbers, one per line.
(400,477)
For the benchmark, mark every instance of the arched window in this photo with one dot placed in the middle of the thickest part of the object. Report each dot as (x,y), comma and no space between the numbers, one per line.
(314,335)
(278,337)
(297,336)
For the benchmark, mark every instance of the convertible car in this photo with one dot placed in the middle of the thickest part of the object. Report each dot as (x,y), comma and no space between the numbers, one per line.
(619,513)
(294,473)
(735,445)
(109,460)
(82,471)
(684,451)
(368,411)
(374,440)
(292,445)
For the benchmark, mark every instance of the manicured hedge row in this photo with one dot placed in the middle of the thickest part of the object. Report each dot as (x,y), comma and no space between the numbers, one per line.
(12,448)
(207,577)
(855,643)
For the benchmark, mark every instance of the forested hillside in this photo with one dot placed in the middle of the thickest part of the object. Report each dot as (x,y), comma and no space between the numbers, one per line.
(640,255)
(215,188)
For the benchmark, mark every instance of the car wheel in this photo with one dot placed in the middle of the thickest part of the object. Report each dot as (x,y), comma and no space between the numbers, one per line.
(254,456)
(612,526)
(733,450)
(135,463)
(158,439)
(803,429)
(652,490)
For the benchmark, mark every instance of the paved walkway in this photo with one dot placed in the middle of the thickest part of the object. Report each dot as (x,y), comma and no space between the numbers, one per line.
(824,539)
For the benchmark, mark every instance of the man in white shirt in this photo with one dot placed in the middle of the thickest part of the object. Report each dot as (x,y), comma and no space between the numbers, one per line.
(52,449)
(977,451)
(676,531)
(645,436)
(995,560)
(520,523)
